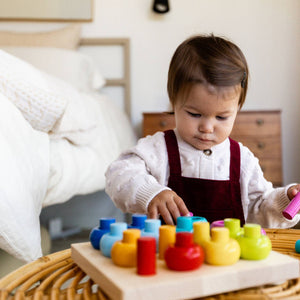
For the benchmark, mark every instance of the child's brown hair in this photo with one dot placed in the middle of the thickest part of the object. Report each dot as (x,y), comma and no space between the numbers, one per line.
(208,60)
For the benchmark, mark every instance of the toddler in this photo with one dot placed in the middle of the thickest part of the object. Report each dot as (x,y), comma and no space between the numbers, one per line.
(196,167)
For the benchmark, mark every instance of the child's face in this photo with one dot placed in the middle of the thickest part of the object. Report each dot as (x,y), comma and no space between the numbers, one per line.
(206,118)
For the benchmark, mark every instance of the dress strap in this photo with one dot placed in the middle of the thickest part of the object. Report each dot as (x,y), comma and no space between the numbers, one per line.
(235,161)
(173,152)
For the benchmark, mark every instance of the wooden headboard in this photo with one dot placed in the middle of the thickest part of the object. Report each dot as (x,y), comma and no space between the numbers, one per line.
(121,80)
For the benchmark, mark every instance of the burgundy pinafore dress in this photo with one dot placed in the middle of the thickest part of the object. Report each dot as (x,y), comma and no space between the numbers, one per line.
(212,199)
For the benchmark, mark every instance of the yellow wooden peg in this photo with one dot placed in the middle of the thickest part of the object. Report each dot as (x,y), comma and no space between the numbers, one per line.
(124,253)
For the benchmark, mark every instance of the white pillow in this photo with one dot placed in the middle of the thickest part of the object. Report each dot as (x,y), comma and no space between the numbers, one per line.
(31,91)
(24,173)
(67,37)
(71,66)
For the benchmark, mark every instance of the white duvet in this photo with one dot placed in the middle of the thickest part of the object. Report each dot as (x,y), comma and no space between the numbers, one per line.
(24,172)
(42,165)
(79,158)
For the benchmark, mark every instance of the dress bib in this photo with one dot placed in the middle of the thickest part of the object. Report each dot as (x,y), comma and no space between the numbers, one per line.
(212,199)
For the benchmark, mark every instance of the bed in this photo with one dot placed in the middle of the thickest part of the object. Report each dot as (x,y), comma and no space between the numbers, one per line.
(58,130)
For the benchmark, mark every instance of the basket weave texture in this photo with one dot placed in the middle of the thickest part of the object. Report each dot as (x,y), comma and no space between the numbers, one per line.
(54,277)
(57,277)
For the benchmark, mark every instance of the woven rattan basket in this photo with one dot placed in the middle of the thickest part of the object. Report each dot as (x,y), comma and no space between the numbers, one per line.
(57,277)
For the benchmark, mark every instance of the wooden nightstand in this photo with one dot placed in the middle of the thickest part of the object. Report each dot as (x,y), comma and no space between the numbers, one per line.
(260,131)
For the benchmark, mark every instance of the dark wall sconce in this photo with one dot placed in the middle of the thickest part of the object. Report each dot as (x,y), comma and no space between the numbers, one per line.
(161,6)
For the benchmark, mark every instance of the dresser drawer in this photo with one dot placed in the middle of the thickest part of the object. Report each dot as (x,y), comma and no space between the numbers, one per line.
(272,170)
(154,122)
(250,123)
(262,147)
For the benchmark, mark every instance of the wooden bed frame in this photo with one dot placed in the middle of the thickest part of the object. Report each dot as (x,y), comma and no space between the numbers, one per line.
(123,81)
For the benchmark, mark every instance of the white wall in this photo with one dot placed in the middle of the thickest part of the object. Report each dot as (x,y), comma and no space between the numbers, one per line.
(268,32)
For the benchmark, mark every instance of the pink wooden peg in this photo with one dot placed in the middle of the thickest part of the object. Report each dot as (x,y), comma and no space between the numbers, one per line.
(292,209)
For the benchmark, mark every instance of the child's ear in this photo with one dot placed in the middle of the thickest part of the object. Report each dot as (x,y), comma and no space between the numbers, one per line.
(171,106)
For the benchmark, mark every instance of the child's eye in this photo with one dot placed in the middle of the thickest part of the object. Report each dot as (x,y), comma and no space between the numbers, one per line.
(194,115)
(221,118)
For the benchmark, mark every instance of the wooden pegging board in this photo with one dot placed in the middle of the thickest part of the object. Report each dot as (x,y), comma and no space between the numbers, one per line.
(124,283)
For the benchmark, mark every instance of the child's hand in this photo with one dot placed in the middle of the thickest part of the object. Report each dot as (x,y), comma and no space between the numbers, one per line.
(169,205)
(293,190)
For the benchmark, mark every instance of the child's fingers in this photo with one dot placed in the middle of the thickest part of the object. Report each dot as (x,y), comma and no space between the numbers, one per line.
(173,209)
(155,210)
(183,211)
(294,190)
(165,214)
(152,212)
(169,205)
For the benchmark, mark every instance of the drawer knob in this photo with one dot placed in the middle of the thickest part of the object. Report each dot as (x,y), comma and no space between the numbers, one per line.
(261,145)
(163,123)
(260,122)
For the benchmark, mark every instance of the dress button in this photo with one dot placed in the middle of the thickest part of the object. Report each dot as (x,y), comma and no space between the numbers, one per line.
(207,152)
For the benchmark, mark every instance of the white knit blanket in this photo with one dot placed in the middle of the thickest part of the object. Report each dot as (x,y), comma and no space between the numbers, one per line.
(40,102)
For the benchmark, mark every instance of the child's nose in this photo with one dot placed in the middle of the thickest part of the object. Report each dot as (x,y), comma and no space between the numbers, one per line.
(206,126)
